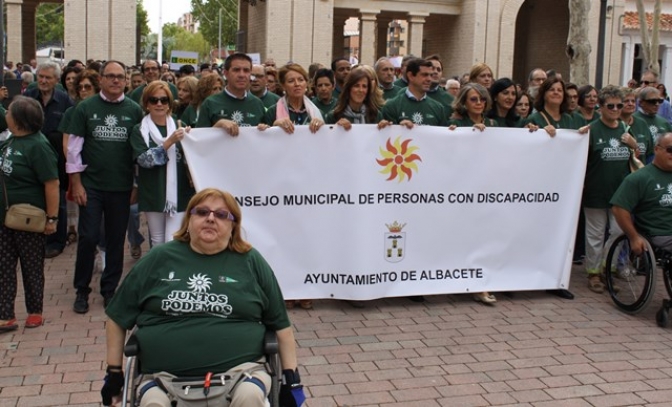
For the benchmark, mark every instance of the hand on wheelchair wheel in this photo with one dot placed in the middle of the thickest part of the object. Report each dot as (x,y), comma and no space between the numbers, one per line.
(111,391)
(291,395)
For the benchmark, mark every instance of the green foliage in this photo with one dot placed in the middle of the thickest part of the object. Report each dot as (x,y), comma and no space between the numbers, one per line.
(142,19)
(206,12)
(49,23)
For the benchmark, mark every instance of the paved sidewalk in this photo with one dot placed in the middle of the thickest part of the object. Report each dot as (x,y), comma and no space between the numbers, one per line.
(532,350)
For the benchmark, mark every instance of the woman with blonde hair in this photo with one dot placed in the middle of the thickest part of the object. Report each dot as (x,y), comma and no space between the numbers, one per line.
(207,86)
(186,88)
(481,74)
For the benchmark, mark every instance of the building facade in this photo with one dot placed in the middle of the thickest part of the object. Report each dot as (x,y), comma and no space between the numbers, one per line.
(511,36)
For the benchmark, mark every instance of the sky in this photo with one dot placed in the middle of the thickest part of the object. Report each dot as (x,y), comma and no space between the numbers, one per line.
(172,11)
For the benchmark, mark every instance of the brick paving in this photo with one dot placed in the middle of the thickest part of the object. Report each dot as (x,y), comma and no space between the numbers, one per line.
(530,350)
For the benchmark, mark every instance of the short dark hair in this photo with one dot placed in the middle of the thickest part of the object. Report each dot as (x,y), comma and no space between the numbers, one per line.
(324,73)
(204,66)
(335,61)
(570,85)
(26,113)
(75,62)
(186,70)
(238,55)
(584,91)
(415,64)
(66,71)
(142,67)
(545,87)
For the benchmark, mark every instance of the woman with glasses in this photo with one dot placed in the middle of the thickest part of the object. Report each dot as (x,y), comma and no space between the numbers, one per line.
(169,77)
(608,155)
(202,305)
(649,103)
(164,188)
(586,112)
(470,106)
(642,143)
(207,86)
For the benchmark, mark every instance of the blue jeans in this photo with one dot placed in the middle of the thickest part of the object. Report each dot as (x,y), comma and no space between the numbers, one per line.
(135,238)
(58,240)
(115,208)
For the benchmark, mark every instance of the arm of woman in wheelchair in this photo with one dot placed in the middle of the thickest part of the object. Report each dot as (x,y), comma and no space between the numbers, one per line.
(114,380)
(624,220)
(291,391)
(287,348)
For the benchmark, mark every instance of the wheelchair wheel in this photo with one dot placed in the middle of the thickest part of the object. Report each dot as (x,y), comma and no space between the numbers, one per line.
(665,260)
(631,279)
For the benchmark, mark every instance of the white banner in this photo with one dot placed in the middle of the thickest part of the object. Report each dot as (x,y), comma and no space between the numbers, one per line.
(365,214)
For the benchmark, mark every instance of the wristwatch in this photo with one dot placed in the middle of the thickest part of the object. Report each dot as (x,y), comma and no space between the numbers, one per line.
(52,219)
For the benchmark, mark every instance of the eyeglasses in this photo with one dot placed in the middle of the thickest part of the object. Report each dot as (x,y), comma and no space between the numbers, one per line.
(85,86)
(612,106)
(476,99)
(111,77)
(154,100)
(647,83)
(668,149)
(654,101)
(220,214)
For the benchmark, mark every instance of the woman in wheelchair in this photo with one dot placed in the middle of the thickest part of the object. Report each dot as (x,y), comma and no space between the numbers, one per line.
(202,304)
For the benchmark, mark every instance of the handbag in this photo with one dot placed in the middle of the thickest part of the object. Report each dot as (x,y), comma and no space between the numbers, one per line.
(23,217)
(213,389)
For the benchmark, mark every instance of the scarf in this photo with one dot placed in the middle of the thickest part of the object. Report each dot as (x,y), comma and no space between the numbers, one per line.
(282,112)
(355,117)
(149,130)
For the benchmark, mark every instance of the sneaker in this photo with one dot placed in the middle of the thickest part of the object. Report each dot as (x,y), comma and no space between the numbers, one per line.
(136,251)
(81,305)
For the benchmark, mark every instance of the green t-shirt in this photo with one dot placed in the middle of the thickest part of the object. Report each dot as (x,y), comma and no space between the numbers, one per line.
(389,93)
(3,121)
(269,99)
(423,112)
(199,313)
(657,125)
(27,164)
(248,111)
(189,116)
(401,83)
(67,118)
(566,121)
(647,194)
(444,98)
(106,128)
(640,131)
(136,95)
(501,122)
(607,164)
(580,121)
(152,181)
(324,107)
(467,122)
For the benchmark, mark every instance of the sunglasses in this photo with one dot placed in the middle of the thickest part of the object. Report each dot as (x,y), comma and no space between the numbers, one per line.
(85,86)
(647,83)
(220,214)
(614,106)
(476,99)
(654,101)
(154,100)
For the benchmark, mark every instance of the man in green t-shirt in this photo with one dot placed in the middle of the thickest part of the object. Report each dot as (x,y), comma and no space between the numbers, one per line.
(101,165)
(385,73)
(341,67)
(647,194)
(151,72)
(437,92)
(258,86)
(413,106)
(234,107)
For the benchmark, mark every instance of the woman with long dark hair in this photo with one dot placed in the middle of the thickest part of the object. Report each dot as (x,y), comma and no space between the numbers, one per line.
(504,97)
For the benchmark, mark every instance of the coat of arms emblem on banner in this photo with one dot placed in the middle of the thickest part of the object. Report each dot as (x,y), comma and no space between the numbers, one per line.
(395,242)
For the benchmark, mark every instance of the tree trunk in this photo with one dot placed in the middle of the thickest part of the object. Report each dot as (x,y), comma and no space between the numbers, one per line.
(578,47)
(644,32)
(653,61)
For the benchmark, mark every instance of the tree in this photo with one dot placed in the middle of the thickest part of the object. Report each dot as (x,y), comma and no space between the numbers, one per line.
(142,30)
(49,23)
(649,48)
(206,12)
(578,47)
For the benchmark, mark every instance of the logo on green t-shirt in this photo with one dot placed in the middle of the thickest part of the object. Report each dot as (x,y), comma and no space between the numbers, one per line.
(666,200)
(197,301)
(616,151)
(110,131)
(6,162)
(237,116)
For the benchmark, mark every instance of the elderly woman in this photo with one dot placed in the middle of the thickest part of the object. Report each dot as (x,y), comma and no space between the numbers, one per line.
(641,143)
(186,89)
(202,303)
(481,74)
(163,183)
(294,109)
(587,102)
(29,176)
(504,96)
(207,86)
(649,103)
(470,106)
(356,103)
(608,155)
(551,108)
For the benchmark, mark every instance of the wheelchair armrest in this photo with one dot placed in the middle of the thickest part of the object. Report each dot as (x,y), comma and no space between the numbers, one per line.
(132,346)
(270,343)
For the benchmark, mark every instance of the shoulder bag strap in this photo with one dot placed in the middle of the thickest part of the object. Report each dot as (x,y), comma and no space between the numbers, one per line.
(545,118)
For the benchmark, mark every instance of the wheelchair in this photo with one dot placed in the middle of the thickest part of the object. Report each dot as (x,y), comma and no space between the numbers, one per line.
(631,279)
(132,350)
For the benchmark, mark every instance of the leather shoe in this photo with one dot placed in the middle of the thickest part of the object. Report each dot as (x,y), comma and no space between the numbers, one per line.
(81,305)
(51,253)
(562,293)
(34,320)
(417,298)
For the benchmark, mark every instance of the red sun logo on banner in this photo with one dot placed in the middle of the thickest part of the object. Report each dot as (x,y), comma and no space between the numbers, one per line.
(398,159)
